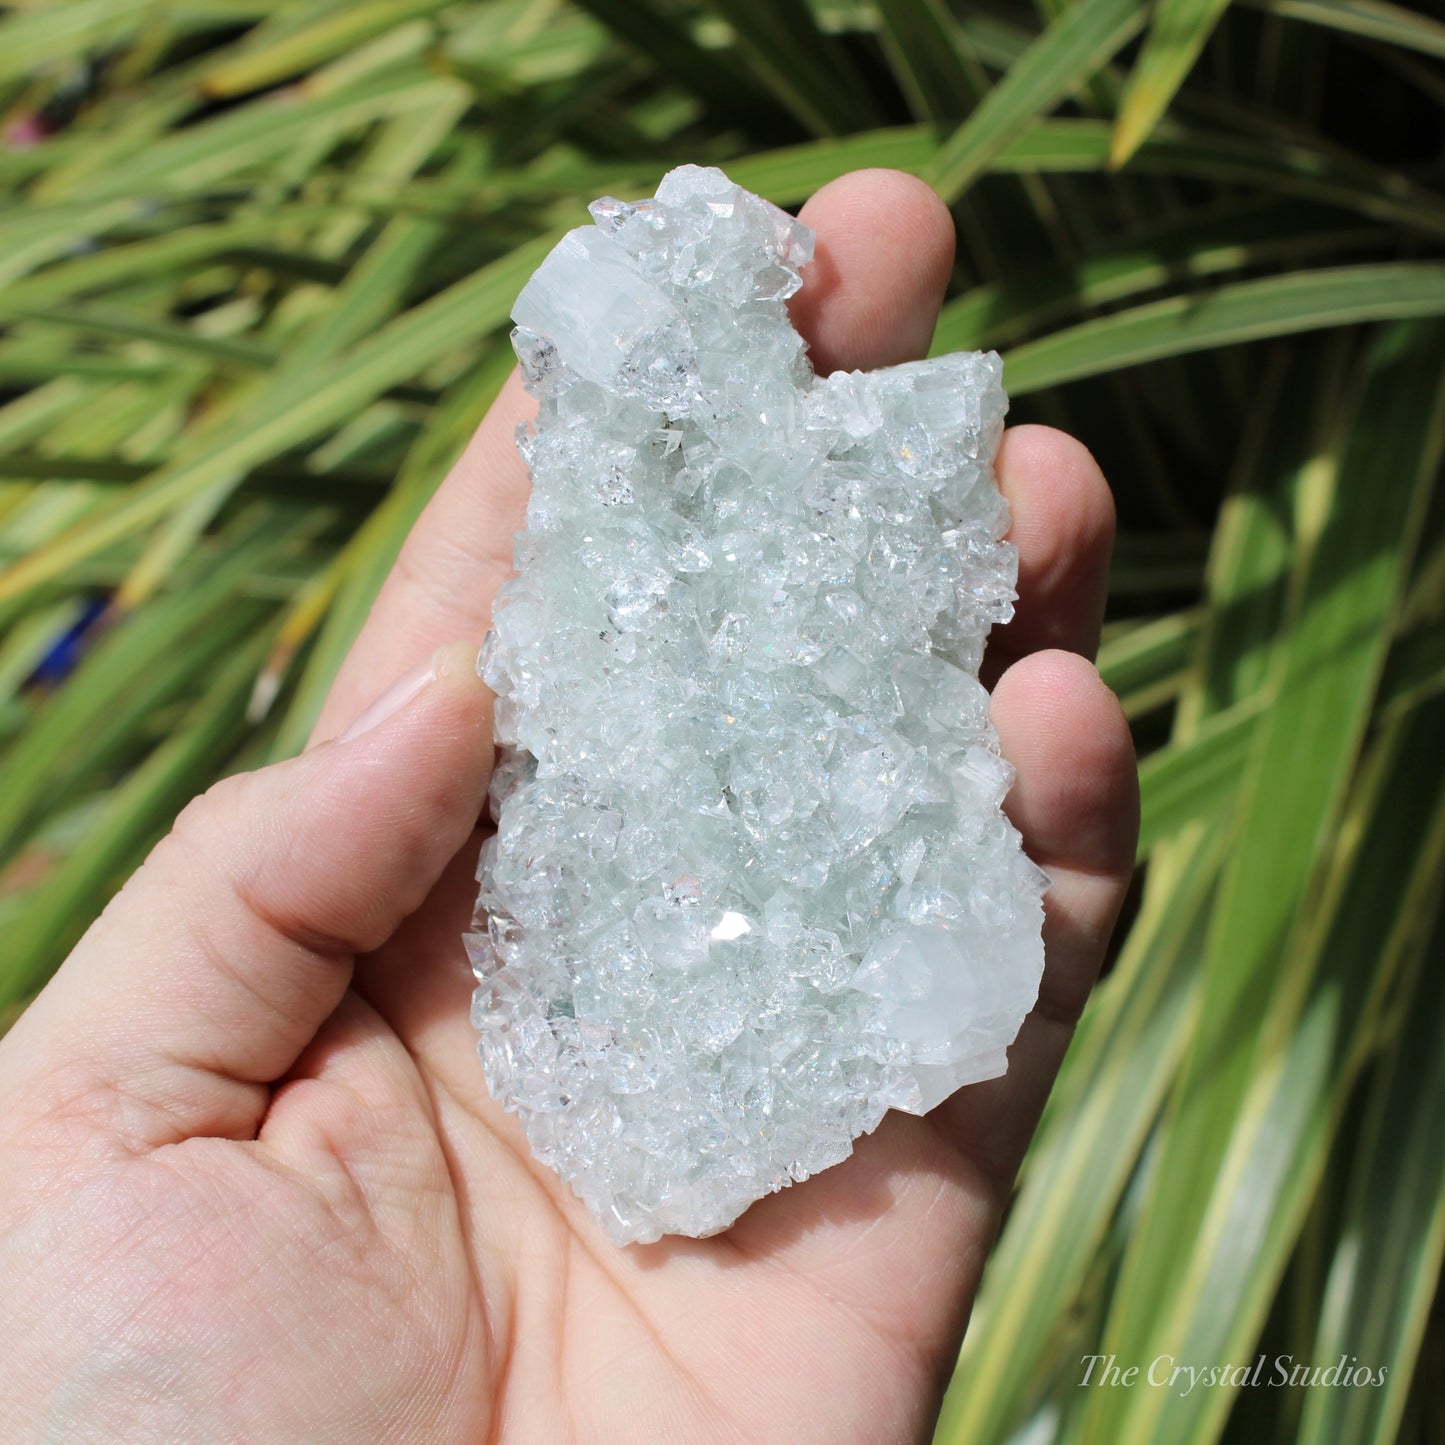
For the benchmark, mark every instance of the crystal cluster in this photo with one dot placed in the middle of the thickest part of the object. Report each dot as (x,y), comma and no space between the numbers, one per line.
(751,886)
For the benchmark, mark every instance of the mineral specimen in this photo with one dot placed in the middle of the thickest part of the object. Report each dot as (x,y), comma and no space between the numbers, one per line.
(751,886)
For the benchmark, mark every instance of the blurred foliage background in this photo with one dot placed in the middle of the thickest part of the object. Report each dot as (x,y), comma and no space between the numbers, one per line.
(256,259)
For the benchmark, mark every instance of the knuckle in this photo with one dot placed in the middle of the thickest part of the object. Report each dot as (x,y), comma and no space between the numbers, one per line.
(213,813)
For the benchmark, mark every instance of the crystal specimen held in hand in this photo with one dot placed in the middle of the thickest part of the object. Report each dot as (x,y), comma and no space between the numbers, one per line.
(751,886)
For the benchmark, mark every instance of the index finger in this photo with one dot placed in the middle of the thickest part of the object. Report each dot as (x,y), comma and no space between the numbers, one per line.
(859,308)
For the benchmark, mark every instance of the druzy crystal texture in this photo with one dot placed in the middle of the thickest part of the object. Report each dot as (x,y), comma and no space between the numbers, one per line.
(751,885)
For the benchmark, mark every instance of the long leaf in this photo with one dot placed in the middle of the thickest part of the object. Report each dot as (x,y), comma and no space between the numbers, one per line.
(1279,166)
(1146,665)
(938,70)
(1243,311)
(309,45)
(806,69)
(1369,19)
(1195,778)
(1177,32)
(1066,54)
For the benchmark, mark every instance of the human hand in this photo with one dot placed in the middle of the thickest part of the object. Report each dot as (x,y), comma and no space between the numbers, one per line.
(253,1185)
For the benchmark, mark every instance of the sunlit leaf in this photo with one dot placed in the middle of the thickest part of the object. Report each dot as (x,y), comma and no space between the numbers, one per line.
(1177,32)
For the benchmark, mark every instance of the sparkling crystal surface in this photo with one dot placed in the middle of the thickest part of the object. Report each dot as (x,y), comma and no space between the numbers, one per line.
(751,885)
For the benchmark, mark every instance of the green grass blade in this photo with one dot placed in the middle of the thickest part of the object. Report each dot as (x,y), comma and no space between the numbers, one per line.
(169,256)
(46,233)
(807,70)
(1279,167)
(1415,670)
(1286,442)
(308,46)
(1242,311)
(935,66)
(223,352)
(1368,19)
(1070,51)
(1146,665)
(1197,778)
(34,413)
(1177,32)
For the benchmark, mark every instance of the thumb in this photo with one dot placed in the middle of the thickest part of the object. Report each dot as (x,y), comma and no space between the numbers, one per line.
(214,967)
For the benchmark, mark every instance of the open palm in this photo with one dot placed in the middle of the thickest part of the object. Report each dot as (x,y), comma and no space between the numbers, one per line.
(251,1184)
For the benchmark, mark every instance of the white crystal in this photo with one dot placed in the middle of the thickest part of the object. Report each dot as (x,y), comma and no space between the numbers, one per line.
(751,885)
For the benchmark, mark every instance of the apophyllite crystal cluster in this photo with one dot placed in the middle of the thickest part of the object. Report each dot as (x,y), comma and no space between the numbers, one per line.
(751,886)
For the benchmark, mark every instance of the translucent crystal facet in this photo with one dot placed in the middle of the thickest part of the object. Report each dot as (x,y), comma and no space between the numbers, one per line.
(751,885)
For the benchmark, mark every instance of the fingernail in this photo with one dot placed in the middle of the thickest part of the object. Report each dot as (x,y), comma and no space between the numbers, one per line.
(392,700)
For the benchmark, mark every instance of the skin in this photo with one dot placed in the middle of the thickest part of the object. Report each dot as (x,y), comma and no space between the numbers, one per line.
(253,1186)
